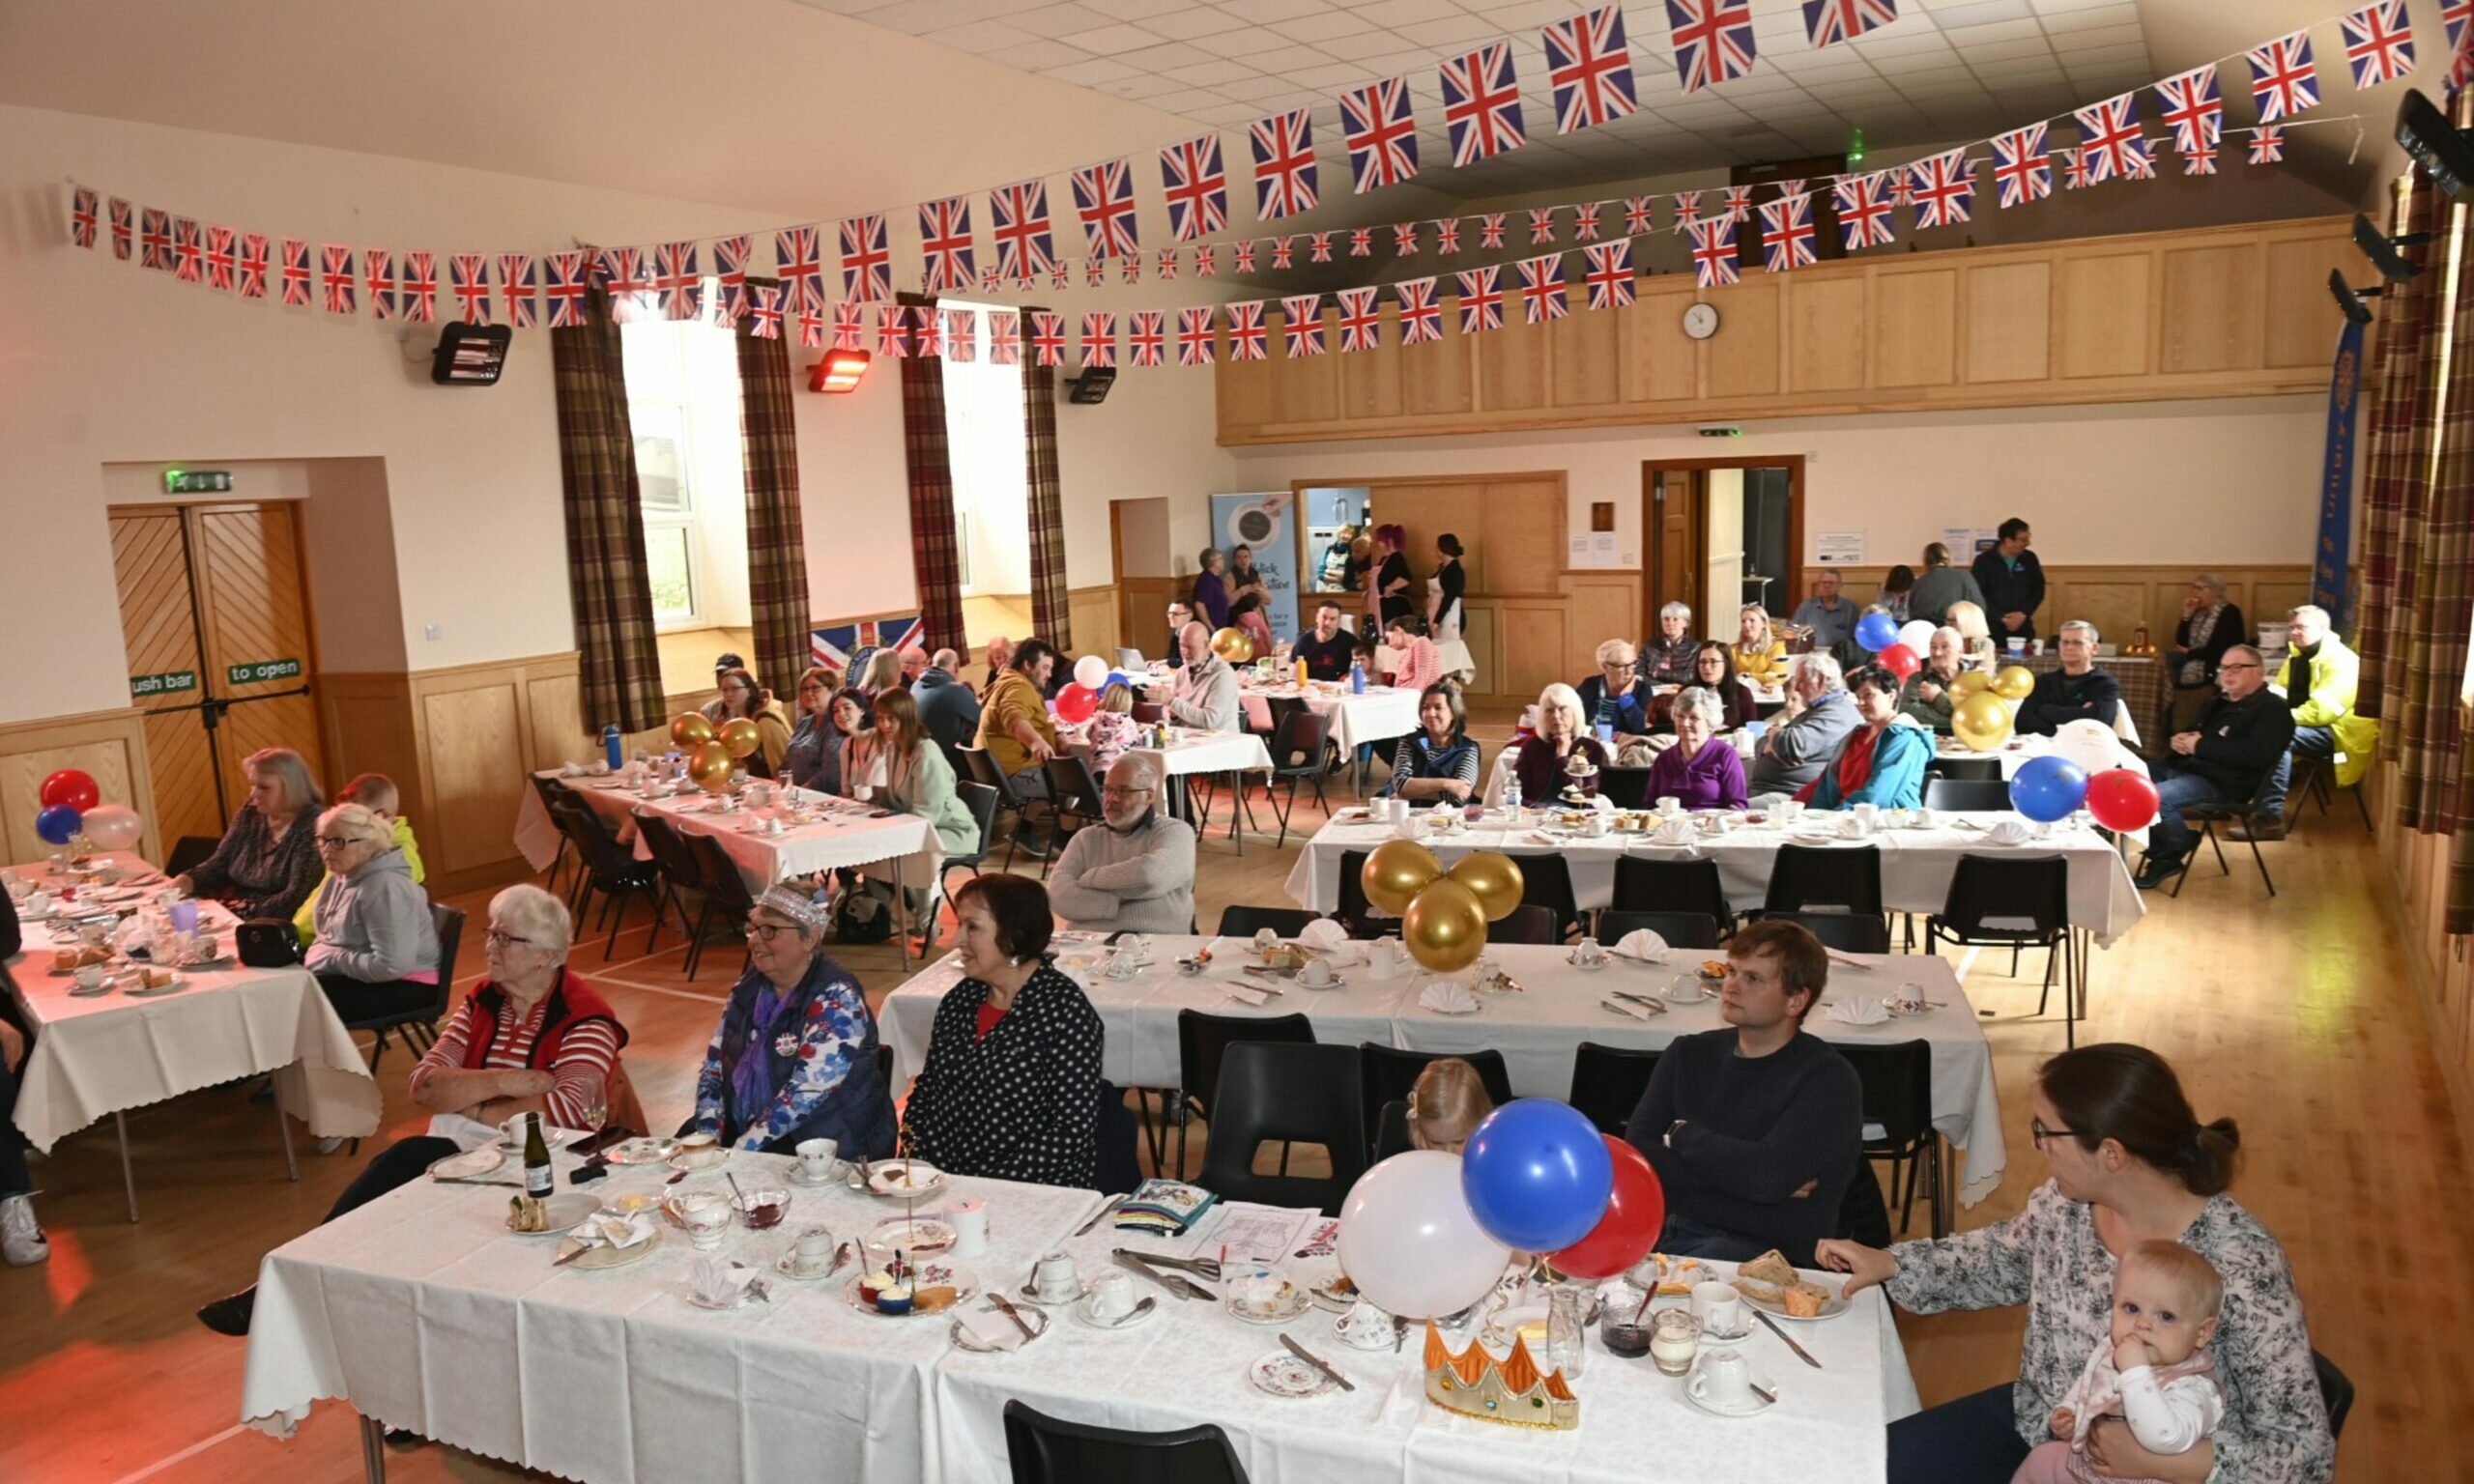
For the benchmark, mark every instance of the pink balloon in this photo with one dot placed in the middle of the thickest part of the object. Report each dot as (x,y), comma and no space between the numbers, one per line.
(1076,702)
(1410,1242)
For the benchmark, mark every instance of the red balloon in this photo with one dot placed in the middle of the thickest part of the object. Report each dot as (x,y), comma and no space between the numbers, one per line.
(73,788)
(1899,660)
(1635,1214)
(1076,702)
(2121,799)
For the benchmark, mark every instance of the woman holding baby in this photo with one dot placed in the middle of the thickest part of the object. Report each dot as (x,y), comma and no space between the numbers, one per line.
(2138,1363)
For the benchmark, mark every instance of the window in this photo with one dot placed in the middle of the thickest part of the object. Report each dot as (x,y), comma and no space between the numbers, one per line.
(683,401)
(991,488)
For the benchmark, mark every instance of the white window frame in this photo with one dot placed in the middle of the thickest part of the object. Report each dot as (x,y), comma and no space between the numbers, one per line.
(706,418)
(984,442)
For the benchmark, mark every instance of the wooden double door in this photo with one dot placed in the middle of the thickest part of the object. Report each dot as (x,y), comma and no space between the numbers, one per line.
(216,609)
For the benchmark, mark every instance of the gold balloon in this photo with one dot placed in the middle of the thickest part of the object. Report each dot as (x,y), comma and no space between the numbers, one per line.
(1396,873)
(1967,682)
(1983,722)
(1445,928)
(690,730)
(1232,645)
(740,737)
(1493,878)
(2016,682)
(709,766)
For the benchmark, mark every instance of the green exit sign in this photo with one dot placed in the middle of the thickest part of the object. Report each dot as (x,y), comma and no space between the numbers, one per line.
(261,670)
(198,481)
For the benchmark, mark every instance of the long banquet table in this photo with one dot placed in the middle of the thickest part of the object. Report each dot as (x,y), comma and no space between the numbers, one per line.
(848,834)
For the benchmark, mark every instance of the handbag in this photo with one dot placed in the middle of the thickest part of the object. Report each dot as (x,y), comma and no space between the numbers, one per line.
(267,943)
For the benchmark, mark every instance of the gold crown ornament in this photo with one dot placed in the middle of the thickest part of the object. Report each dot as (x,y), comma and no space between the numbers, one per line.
(1515,1392)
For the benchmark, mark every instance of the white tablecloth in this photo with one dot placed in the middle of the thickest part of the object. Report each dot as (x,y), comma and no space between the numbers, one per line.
(1917,864)
(1537,1030)
(1382,713)
(2014,754)
(1209,752)
(849,836)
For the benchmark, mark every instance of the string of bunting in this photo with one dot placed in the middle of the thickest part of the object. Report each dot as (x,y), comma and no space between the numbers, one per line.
(1593,83)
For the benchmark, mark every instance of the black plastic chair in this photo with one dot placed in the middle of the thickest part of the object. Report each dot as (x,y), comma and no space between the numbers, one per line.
(2207,817)
(1390,1073)
(1681,929)
(2021,901)
(1073,793)
(612,872)
(1809,876)
(1863,1216)
(985,772)
(1203,1040)
(1848,933)
(1898,1102)
(1968,795)
(1546,881)
(1289,1094)
(2316,777)
(1300,739)
(1355,913)
(551,792)
(190,851)
(982,802)
(1965,768)
(1392,1129)
(1646,884)
(1243,922)
(726,894)
(1625,788)
(2335,1392)
(1528,922)
(1608,1081)
(677,865)
(418,1025)
(1042,1450)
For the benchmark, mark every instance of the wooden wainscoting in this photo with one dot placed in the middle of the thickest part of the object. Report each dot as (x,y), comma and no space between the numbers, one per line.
(2417,865)
(1092,614)
(2118,599)
(110,745)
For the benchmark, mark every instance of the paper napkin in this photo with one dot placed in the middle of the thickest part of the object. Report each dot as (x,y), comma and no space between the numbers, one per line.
(991,1327)
(1449,997)
(1642,944)
(1857,1010)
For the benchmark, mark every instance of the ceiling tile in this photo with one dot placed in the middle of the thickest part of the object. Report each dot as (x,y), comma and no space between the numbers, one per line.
(1453,31)
(1247,41)
(1056,21)
(1144,86)
(981,37)
(1227,115)
(1139,10)
(1091,73)
(1111,39)
(1265,12)
(1187,24)
(1324,27)
(1400,12)
(1187,100)
(1358,49)
(1161,58)
(2081,19)
(1209,73)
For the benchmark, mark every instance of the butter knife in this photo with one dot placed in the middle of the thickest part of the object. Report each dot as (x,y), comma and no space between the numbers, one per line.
(1652,1002)
(455,1179)
(1105,1210)
(1016,1315)
(1181,1287)
(565,1257)
(1315,1361)
(1772,1325)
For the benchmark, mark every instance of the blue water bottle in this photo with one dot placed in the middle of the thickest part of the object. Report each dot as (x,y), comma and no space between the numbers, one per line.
(609,747)
(1357,677)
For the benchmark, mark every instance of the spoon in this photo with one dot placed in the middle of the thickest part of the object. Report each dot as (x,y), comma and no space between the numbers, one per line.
(1136,1312)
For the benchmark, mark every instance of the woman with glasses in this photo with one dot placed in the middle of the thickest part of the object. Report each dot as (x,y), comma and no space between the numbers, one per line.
(1134,870)
(1714,669)
(2130,1163)
(1617,701)
(812,757)
(743,697)
(374,945)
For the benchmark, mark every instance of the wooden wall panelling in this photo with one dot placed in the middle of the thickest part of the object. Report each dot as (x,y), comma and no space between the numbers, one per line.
(1586,350)
(2211,320)
(1512,369)
(1535,636)
(1825,332)
(1745,359)
(477,756)
(1436,377)
(2119,598)
(1428,509)
(1523,528)
(1479,631)
(2010,322)
(1604,605)
(1305,389)
(1665,366)
(1370,380)
(367,722)
(1144,621)
(1913,327)
(109,745)
(1245,389)
(2295,286)
(1092,614)
(2101,314)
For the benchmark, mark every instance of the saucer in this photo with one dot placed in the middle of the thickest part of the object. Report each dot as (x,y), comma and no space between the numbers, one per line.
(788,1266)
(1133,1318)
(705,1158)
(1750,1406)
(469,1163)
(1378,1336)
(562,1214)
(1283,1374)
(800,1175)
(1292,1301)
(641,1151)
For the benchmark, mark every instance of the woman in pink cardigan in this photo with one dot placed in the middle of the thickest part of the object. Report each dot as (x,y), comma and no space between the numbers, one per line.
(1417,663)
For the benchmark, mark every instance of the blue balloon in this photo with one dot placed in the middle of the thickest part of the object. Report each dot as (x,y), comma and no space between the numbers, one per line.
(1877,631)
(1536,1175)
(57,824)
(2049,789)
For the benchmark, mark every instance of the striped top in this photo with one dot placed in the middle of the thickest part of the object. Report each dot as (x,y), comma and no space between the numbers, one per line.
(586,1058)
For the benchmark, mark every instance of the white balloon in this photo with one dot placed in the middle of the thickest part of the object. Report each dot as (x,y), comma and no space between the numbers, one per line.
(1918,635)
(2088,743)
(1410,1242)
(1091,672)
(112,826)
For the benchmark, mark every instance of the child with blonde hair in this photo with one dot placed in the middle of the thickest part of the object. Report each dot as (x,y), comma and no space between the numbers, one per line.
(2154,1372)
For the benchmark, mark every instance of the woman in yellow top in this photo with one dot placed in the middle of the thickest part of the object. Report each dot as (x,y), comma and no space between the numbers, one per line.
(1760,655)
(742,696)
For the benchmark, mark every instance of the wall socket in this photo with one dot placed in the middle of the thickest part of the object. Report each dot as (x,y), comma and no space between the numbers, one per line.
(433,632)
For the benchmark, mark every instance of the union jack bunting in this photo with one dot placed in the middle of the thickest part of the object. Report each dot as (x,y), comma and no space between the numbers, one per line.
(1787,234)
(1196,187)
(419,299)
(2194,109)
(335,276)
(849,327)
(1863,211)
(1060,273)
(81,217)
(189,251)
(2022,166)
(1688,207)
(1590,68)
(893,331)
(1361,324)
(867,266)
(1381,131)
(2268,145)
(1481,299)
(1447,235)
(2457,16)
(730,271)
(566,277)
(1004,337)
(1207,260)
(253,264)
(1362,243)
(2107,133)
(1167,270)
(1482,104)
(1713,40)
(1788,188)
(1246,338)
(1048,337)
(380,265)
(2203,162)
(944,241)
(1607,269)
(1283,252)
(1541,224)
(763,311)
(1095,271)
(295,273)
(1639,213)
(960,334)
(1714,251)
(1194,337)
(1490,230)
(676,283)
(927,333)
(1739,203)
(1421,315)
(1942,188)
(1830,22)
(155,240)
(124,228)
(1302,322)
(2139,163)
(1318,247)
(219,259)
(1018,216)
(1285,176)
(1242,256)
(626,279)
(1104,199)
(1541,288)
(800,259)
(988,279)
(1144,340)
(1099,340)
(1585,222)
(2379,42)
(2282,80)
(468,277)
(2074,170)
(1133,269)
(810,333)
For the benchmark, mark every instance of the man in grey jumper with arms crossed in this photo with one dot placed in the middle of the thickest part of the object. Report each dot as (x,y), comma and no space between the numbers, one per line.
(1135,871)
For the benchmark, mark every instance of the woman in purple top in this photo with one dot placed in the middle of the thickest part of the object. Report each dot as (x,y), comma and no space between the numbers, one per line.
(1703,769)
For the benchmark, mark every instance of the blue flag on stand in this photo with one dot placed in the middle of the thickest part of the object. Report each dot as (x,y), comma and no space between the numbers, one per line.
(2328,574)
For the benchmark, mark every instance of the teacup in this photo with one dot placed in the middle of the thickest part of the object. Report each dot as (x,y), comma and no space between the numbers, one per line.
(1597,823)
(1722,1378)
(816,1158)
(38,904)
(1924,818)
(1852,827)
(706,1215)
(1318,974)
(1790,810)
(690,1143)
(1719,1308)
(1383,957)
(1669,806)
(1123,966)
(1258,1288)
(1867,815)
(1591,951)
(91,977)
(813,1250)
(1054,1278)
(1265,940)
(1111,1296)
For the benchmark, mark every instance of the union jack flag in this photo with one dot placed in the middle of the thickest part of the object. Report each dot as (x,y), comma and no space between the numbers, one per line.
(867,265)
(189,251)
(1788,188)
(1381,131)
(849,327)
(1144,340)
(1490,230)
(1863,211)
(2203,162)
(1318,247)
(1004,337)
(124,228)
(336,276)
(1048,337)
(253,264)
(1421,315)
(1133,267)
(1481,299)
(1739,203)
(927,333)
(628,280)
(1361,322)
(2107,133)
(1607,269)
(1246,338)
(810,333)
(1242,256)
(1942,188)
(468,277)
(1787,233)
(729,270)
(799,258)
(2283,79)
(944,240)
(1714,251)
(2022,166)
(296,272)
(1302,322)
(1017,217)
(1585,222)
(677,281)
(381,266)
(2268,145)
(893,331)
(960,335)
(1285,176)
(1482,104)
(419,299)
(1688,207)
(1541,288)
(2379,42)
(1404,239)
(1104,198)
(155,240)
(2074,169)
(1095,271)
(1541,224)
(988,278)
(1447,235)
(2194,109)
(1830,22)
(1283,252)
(1362,243)
(1591,69)
(1197,188)
(1713,40)
(1060,273)
(763,310)
(1194,337)
(1167,270)
(1207,260)
(2457,16)
(1639,215)
(566,278)
(2138,162)
(218,259)
(81,217)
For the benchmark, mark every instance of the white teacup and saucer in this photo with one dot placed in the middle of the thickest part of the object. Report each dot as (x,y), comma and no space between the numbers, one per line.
(1724,1384)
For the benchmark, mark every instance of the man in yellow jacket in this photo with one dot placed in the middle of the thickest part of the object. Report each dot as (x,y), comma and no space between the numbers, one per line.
(376,793)
(2318,681)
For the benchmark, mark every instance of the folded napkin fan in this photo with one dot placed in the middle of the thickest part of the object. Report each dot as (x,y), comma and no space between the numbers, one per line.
(1857,1010)
(1642,944)
(991,1327)
(1448,997)
(2010,832)
(717,1282)
(1322,933)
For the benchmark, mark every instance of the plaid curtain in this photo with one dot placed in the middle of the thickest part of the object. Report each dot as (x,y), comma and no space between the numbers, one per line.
(777,563)
(2394,460)
(1049,617)
(606,572)
(935,564)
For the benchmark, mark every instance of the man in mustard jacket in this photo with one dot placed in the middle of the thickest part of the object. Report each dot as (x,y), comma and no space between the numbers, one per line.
(2318,681)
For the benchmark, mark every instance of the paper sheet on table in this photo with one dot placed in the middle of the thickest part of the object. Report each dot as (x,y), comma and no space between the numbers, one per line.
(1261,1233)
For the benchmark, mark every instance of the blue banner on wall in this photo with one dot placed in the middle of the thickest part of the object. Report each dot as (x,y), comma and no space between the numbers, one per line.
(2336,480)
(1266,524)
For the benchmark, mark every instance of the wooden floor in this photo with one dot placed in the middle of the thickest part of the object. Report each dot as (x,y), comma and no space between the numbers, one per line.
(2291,1016)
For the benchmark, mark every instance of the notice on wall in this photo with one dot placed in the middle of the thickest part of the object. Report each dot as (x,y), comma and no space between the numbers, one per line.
(1839,548)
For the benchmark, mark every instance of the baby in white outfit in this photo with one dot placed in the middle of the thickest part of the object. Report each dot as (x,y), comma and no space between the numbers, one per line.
(2155,1373)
